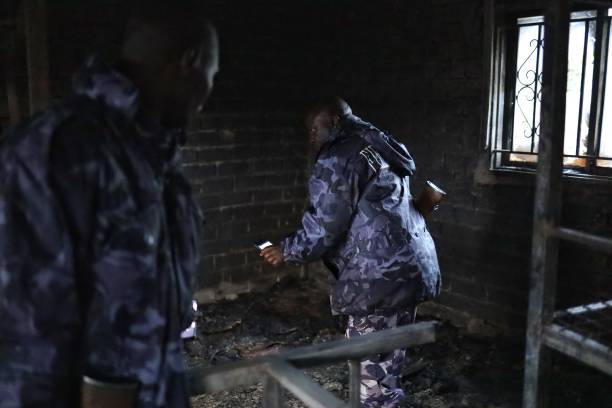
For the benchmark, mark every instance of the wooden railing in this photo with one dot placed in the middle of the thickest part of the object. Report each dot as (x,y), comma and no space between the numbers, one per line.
(282,370)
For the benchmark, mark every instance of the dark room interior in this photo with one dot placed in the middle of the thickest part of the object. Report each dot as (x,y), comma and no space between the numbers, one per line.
(516,130)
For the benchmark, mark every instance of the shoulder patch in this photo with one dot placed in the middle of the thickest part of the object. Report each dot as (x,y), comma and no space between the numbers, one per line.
(373,158)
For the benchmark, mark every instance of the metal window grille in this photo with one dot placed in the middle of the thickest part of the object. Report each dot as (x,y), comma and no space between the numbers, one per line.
(516,88)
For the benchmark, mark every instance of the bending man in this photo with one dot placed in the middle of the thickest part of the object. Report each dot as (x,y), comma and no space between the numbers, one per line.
(363,225)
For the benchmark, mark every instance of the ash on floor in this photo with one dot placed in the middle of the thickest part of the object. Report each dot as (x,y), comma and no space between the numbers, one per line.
(459,370)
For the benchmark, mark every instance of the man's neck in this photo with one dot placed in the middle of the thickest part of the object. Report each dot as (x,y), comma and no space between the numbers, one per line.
(149,101)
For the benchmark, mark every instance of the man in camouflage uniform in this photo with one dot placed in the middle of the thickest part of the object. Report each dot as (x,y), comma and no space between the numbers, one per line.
(98,229)
(363,224)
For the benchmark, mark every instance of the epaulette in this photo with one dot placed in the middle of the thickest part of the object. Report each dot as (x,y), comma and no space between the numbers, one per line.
(373,158)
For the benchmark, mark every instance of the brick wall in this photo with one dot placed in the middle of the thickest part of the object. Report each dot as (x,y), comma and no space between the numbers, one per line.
(248,174)
(414,69)
(248,155)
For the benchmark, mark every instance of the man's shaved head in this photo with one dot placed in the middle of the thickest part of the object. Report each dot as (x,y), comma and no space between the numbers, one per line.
(322,117)
(171,51)
(159,29)
(333,106)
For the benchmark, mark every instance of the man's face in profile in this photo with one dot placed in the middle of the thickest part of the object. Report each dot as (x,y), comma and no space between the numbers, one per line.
(319,126)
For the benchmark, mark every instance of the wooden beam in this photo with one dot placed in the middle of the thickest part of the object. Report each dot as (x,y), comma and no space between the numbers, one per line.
(245,372)
(579,347)
(272,393)
(354,383)
(592,307)
(304,388)
(547,208)
(359,347)
(207,380)
(35,18)
(593,241)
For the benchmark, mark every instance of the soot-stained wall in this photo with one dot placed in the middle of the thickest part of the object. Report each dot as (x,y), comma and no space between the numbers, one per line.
(415,69)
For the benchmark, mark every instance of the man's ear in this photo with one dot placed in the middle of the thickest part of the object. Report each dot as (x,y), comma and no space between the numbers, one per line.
(190,57)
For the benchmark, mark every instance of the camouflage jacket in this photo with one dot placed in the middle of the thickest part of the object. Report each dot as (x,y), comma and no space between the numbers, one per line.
(363,224)
(98,236)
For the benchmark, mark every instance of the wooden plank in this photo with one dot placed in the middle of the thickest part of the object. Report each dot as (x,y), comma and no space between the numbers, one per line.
(205,380)
(363,346)
(577,310)
(579,347)
(35,18)
(272,393)
(304,388)
(213,379)
(593,241)
(544,250)
(354,383)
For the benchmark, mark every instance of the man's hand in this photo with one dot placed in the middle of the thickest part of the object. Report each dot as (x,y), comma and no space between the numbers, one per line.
(273,255)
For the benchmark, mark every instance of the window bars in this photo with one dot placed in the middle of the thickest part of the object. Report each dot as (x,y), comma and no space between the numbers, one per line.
(514,121)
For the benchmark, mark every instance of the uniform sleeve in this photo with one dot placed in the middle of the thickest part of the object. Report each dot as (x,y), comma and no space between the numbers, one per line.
(333,195)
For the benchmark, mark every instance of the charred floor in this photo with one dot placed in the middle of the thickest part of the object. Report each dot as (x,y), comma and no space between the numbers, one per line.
(465,367)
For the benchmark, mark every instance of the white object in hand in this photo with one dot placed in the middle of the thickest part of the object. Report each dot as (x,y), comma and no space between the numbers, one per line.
(190,332)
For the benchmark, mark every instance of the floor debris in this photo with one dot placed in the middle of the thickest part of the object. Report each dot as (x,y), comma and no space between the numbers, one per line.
(462,369)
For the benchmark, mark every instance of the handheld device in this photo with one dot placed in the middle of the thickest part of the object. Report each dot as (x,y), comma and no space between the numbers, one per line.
(190,332)
(261,245)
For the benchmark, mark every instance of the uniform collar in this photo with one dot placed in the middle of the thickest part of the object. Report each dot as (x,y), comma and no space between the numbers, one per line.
(99,81)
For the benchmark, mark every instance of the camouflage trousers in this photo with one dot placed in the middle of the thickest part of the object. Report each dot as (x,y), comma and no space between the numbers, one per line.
(380,374)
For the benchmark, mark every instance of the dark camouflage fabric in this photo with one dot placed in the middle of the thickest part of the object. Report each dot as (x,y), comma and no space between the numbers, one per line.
(98,236)
(380,374)
(364,226)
